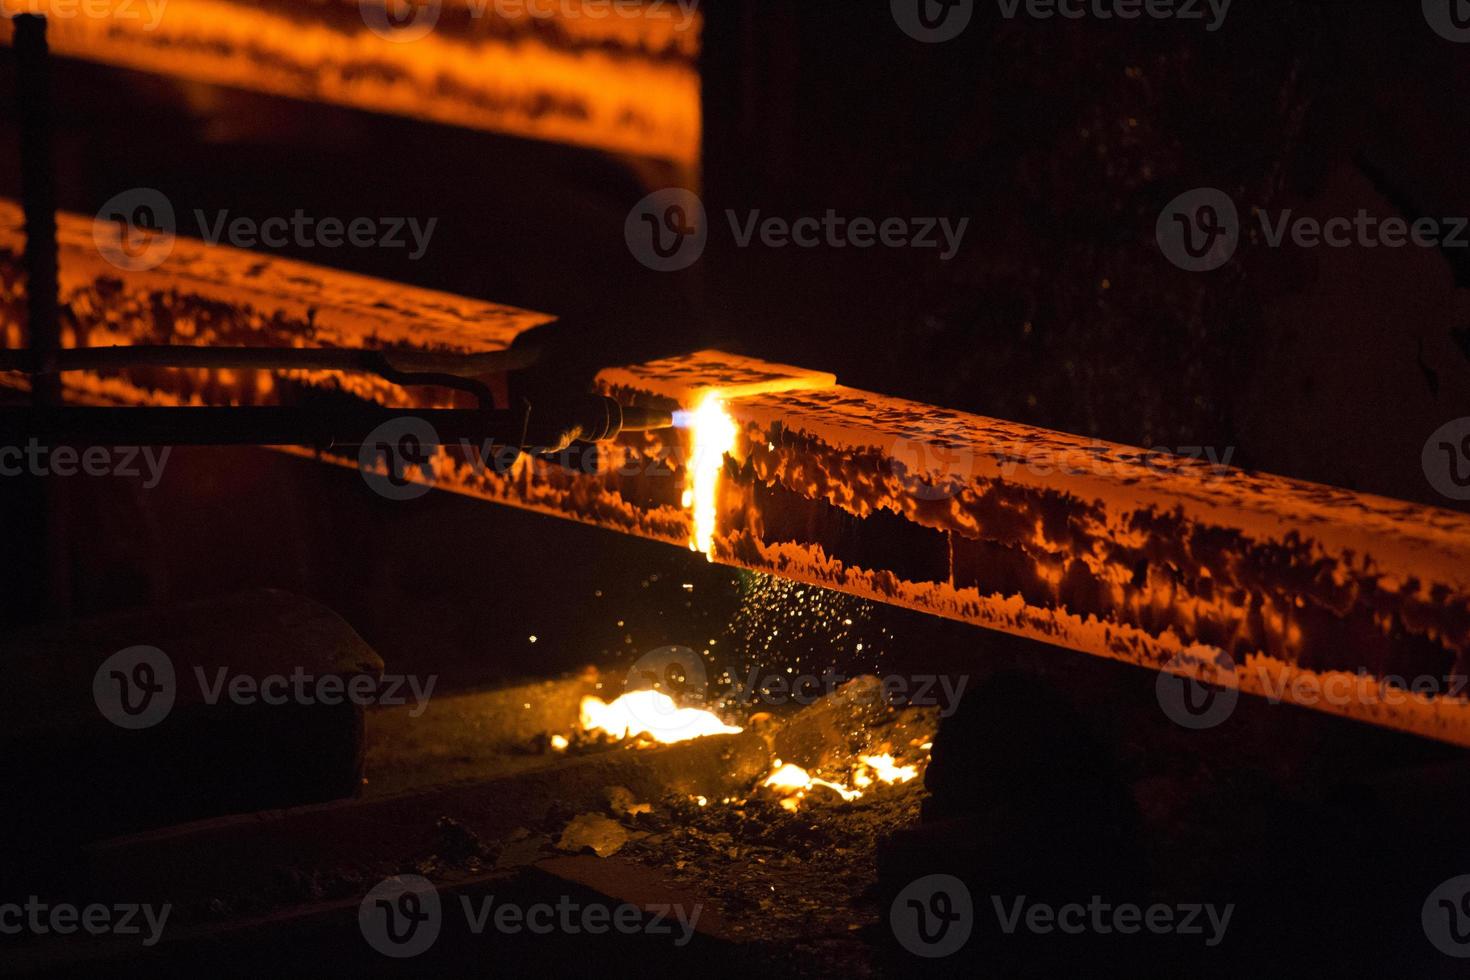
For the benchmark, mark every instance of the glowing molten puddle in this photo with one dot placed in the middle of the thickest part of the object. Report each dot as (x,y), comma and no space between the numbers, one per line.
(793,783)
(652,714)
(655,717)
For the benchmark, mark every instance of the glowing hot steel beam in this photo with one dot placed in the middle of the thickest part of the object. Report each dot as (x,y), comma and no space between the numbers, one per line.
(611,76)
(214,295)
(1306,593)
(1273,586)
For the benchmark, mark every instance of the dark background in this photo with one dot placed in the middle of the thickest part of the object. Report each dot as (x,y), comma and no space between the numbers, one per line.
(1059,140)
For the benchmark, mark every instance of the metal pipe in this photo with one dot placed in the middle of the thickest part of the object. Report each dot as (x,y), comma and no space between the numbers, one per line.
(38,199)
(271,359)
(319,428)
(43,319)
(596,419)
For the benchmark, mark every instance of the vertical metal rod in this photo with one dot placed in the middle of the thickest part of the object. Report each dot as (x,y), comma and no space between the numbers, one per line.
(38,198)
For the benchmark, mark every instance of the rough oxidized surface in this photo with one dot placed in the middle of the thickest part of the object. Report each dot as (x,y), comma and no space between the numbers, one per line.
(607,80)
(1276,586)
(211,295)
(1279,587)
(679,378)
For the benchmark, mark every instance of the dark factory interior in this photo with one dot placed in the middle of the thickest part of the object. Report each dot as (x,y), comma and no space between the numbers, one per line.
(735,487)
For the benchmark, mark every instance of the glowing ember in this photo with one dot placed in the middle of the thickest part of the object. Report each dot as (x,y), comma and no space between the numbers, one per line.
(650,713)
(713,434)
(793,782)
(885,768)
(788,776)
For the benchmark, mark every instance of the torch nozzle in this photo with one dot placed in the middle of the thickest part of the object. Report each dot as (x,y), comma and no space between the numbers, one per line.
(593,418)
(636,419)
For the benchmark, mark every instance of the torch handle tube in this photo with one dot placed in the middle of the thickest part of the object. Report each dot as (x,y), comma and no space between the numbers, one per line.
(38,199)
(270,359)
(319,428)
